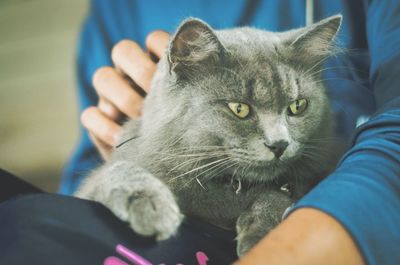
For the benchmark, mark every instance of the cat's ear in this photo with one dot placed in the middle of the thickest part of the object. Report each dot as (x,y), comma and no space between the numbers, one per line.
(194,45)
(314,43)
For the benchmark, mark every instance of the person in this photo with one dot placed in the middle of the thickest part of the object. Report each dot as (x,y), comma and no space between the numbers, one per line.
(352,216)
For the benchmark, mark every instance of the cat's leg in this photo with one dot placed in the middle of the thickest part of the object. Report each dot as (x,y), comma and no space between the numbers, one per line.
(265,213)
(135,196)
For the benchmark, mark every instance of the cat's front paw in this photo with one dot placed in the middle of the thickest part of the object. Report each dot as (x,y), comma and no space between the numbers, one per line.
(154,213)
(245,243)
(250,230)
(265,213)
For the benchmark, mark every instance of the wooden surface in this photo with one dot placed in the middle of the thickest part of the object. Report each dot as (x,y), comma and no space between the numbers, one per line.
(38,114)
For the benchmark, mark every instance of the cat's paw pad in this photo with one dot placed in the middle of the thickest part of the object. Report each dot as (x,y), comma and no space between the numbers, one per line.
(154,214)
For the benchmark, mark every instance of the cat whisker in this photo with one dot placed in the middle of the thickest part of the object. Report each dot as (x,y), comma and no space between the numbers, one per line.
(200,147)
(213,167)
(312,156)
(311,145)
(224,168)
(315,152)
(323,80)
(173,156)
(198,168)
(193,150)
(212,173)
(324,139)
(196,159)
(314,66)
(313,74)
(213,170)
(198,181)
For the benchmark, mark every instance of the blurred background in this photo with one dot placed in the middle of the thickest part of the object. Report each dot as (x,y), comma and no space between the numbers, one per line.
(38,113)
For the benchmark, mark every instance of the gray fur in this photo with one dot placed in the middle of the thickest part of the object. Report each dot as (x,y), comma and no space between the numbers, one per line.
(191,154)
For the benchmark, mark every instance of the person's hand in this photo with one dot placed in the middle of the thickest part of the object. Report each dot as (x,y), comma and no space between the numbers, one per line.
(121,89)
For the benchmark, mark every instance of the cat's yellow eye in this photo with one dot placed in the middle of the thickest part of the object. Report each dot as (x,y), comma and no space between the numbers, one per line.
(297,107)
(241,110)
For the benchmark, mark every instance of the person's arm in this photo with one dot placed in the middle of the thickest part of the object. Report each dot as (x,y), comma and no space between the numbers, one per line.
(360,201)
(308,237)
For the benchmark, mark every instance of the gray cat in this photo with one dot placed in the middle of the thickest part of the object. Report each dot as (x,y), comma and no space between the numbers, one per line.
(231,117)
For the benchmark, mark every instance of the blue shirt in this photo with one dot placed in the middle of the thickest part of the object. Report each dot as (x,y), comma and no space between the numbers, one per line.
(363,194)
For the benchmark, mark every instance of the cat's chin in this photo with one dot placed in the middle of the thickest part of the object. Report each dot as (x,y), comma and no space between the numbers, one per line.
(272,163)
(262,171)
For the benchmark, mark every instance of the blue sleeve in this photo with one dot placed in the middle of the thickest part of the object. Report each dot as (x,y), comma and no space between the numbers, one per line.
(98,36)
(383,35)
(363,193)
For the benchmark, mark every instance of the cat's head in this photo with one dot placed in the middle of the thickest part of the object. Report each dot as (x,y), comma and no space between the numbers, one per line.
(249,98)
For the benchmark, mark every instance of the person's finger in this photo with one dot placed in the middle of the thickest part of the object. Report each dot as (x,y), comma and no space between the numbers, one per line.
(134,62)
(101,126)
(109,109)
(103,148)
(111,86)
(157,41)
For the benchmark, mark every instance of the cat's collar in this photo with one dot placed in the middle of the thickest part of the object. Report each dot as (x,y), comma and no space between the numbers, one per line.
(238,185)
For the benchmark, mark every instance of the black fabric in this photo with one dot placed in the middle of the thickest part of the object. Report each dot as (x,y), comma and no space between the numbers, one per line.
(54,229)
(11,186)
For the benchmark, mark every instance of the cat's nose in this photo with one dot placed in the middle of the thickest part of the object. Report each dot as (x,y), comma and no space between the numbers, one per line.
(277,147)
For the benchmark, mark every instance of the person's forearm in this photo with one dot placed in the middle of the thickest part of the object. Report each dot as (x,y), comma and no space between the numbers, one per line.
(308,237)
